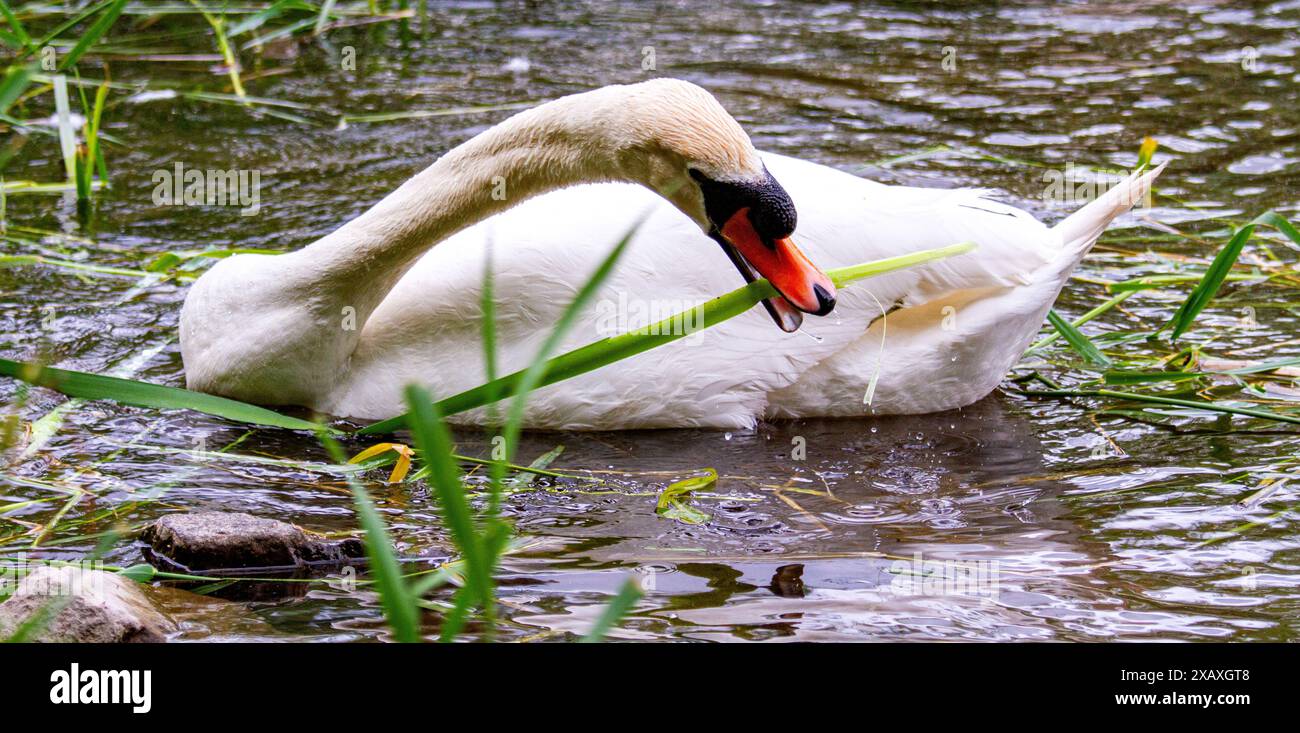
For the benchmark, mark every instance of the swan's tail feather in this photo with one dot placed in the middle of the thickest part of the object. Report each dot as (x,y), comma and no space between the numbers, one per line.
(1080,230)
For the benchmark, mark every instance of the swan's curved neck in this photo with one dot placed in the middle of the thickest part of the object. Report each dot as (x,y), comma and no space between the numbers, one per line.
(571,140)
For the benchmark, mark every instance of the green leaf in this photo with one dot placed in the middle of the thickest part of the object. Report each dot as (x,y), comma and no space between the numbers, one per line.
(399,605)
(533,375)
(1160,400)
(326,8)
(1080,343)
(614,612)
(144,394)
(256,20)
(579,361)
(163,262)
(1219,269)
(13,84)
(1141,377)
(433,440)
(1275,220)
(19,33)
(674,501)
(523,478)
(616,348)
(141,573)
(1210,282)
(93,33)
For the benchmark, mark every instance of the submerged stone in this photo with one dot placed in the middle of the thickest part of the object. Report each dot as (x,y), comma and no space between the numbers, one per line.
(196,541)
(81,605)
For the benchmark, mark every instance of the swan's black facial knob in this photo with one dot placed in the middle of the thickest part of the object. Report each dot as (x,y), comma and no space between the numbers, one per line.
(771,210)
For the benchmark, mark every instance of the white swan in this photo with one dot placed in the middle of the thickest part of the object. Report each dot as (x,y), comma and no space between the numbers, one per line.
(345,323)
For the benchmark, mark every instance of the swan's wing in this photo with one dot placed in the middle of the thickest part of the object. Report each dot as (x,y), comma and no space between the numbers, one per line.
(845,220)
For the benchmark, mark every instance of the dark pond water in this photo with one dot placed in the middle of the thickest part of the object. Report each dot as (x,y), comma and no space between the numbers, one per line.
(1065,541)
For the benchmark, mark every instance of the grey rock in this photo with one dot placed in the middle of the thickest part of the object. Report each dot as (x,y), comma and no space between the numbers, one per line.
(196,541)
(82,605)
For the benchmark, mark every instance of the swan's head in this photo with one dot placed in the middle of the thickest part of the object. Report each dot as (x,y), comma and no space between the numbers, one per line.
(703,162)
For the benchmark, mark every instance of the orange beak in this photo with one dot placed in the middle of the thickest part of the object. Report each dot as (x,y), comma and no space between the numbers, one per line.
(802,286)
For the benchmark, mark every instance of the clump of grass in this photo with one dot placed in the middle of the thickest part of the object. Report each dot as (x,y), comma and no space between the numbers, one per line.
(218,24)
(1149,374)
(1165,374)
(81,32)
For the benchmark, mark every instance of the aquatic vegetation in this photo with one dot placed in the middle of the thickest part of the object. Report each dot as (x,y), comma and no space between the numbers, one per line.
(1189,369)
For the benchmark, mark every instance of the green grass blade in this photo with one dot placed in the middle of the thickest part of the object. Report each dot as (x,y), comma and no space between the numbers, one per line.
(1080,343)
(13,85)
(1159,400)
(261,17)
(1218,271)
(433,440)
(218,25)
(1126,377)
(454,621)
(58,30)
(20,33)
(93,33)
(536,371)
(143,394)
(326,8)
(1269,218)
(487,304)
(1090,315)
(627,596)
(399,603)
(615,348)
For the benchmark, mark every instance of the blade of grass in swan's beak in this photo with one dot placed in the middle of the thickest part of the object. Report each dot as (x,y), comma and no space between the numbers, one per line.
(787,317)
(616,348)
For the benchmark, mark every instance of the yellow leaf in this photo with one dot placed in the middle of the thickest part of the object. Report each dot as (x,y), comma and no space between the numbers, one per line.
(403,464)
(372,451)
(400,469)
(1145,152)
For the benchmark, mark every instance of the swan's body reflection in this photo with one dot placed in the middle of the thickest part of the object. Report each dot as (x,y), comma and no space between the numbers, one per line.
(936,526)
